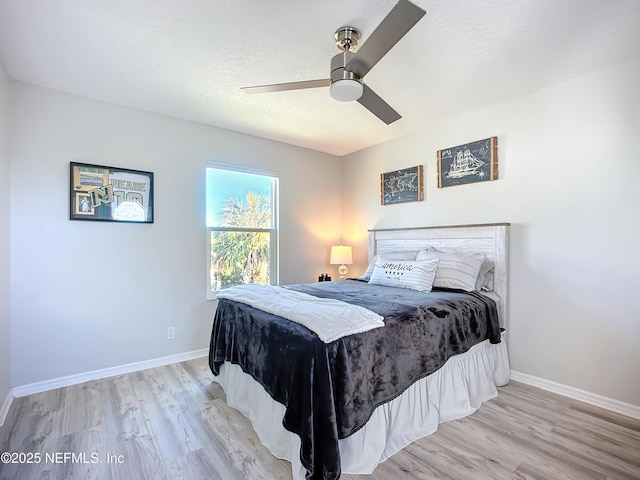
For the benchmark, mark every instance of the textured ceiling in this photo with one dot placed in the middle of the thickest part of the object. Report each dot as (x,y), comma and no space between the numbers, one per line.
(189,58)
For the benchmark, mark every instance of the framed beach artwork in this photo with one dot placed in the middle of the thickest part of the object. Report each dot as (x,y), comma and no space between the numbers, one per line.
(400,186)
(469,163)
(110,194)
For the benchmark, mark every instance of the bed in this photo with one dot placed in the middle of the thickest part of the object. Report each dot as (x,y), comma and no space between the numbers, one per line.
(344,405)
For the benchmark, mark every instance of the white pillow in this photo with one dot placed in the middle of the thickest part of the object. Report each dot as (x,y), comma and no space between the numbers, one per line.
(488,282)
(485,276)
(455,270)
(412,274)
(389,256)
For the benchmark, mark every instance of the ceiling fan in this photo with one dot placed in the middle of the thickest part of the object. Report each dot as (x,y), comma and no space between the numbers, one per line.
(349,68)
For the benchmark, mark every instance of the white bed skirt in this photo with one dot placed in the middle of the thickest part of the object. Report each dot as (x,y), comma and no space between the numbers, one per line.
(454,391)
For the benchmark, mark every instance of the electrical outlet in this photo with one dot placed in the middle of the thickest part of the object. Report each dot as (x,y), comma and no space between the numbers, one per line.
(171,333)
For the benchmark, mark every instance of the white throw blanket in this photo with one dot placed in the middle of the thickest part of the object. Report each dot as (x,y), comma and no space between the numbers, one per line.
(329,319)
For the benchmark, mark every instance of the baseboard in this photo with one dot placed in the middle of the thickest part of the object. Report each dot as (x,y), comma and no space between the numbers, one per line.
(4,410)
(38,387)
(577,394)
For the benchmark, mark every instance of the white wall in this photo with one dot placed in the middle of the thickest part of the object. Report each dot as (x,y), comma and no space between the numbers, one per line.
(92,295)
(569,172)
(568,169)
(5,259)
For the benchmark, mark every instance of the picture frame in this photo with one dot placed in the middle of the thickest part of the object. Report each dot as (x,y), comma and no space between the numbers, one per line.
(110,194)
(401,186)
(471,162)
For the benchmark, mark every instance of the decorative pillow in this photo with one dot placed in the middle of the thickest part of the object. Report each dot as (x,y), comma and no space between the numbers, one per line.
(412,274)
(455,270)
(389,256)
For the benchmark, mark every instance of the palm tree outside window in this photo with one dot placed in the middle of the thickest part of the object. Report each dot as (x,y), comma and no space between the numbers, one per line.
(241,225)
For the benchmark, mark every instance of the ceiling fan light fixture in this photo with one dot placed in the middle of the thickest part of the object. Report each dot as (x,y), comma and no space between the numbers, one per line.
(346,90)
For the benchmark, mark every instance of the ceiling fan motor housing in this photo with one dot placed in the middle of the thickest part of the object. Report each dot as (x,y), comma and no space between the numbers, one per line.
(338,70)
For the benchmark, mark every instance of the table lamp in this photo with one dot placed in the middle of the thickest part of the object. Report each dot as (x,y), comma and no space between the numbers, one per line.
(341,255)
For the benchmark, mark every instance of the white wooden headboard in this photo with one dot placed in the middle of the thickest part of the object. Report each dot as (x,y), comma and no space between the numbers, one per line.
(492,240)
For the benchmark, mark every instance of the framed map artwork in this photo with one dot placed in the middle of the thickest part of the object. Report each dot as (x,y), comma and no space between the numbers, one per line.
(402,186)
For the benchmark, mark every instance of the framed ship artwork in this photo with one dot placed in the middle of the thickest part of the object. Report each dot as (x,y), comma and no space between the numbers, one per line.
(469,163)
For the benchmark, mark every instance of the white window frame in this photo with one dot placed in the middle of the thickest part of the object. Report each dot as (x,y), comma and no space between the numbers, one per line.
(274,274)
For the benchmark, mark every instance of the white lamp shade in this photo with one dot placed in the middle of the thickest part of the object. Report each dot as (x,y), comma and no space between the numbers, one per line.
(346,90)
(341,255)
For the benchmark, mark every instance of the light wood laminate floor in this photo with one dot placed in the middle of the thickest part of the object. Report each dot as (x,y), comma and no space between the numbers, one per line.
(172,423)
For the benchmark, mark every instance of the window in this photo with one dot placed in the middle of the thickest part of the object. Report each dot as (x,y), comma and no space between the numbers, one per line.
(241,227)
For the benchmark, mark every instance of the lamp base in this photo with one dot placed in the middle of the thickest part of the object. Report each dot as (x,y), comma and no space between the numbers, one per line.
(342,270)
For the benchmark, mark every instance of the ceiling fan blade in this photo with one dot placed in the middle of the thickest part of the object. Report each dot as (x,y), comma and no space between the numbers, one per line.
(281,87)
(376,105)
(395,25)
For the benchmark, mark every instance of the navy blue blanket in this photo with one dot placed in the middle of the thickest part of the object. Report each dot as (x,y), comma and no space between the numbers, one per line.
(331,389)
